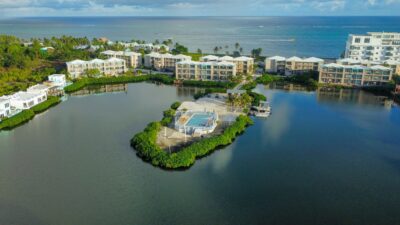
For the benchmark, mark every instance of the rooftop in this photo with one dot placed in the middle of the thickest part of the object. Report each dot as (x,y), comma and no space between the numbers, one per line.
(24,96)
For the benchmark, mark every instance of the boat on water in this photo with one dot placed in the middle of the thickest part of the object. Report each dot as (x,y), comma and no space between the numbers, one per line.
(262,110)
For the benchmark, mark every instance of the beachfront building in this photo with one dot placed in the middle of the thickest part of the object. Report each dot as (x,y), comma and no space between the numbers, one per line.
(354,75)
(58,80)
(132,59)
(109,67)
(5,107)
(293,65)
(26,100)
(39,88)
(146,46)
(164,62)
(210,71)
(392,64)
(374,46)
(244,64)
(275,64)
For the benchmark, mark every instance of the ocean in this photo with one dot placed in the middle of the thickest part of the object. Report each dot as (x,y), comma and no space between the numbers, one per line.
(286,36)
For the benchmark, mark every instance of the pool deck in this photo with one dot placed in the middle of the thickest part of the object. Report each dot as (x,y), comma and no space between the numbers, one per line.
(172,140)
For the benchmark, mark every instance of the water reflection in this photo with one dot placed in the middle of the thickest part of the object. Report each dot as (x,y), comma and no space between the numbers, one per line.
(220,160)
(182,91)
(276,128)
(351,96)
(100,89)
(286,86)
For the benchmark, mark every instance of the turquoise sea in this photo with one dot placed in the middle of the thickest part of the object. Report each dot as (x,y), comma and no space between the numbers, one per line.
(302,36)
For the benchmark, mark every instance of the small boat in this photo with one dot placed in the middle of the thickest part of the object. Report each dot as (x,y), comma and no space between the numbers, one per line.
(262,110)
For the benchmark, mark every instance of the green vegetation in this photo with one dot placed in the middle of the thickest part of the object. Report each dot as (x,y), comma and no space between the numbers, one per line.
(209,91)
(169,114)
(26,115)
(179,49)
(147,148)
(51,101)
(267,78)
(308,80)
(175,105)
(17,120)
(240,100)
(256,97)
(24,65)
(195,56)
(79,84)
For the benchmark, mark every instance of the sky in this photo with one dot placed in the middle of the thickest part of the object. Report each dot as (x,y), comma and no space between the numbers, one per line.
(28,8)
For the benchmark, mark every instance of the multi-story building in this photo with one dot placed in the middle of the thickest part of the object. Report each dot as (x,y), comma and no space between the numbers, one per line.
(5,107)
(26,100)
(293,65)
(244,64)
(275,64)
(211,71)
(58,80)
(109,67)
(392,64)
(132,59)
(354,75)
(374,46)
(164,62)
(146,46)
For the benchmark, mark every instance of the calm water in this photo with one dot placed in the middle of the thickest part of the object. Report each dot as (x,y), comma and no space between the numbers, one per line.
(303,36)
(319,159)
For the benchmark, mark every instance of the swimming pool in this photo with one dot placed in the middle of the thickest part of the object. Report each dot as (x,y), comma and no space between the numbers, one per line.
(196,122)
(201,120)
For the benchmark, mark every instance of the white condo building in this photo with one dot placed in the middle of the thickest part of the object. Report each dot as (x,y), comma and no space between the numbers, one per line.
(293,65)
(109,67)
(210,71)
(354,75)
(132,59)
(392,64)
(164,62)
(58,80)
(5,107)
(244,64)
(26,100)
(374,46)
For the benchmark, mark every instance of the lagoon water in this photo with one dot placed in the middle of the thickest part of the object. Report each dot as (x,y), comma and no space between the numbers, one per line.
(287,36)
(320,158)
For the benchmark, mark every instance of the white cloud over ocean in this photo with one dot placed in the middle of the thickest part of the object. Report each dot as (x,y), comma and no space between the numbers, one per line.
(16,8)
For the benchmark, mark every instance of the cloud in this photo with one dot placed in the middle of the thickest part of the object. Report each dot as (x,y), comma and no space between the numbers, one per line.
(197,7)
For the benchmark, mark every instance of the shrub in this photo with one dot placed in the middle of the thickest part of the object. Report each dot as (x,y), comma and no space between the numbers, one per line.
(175,105)
(117,80)
(50,102)
(28,114)
(147,148)
(17,120)
(266,79)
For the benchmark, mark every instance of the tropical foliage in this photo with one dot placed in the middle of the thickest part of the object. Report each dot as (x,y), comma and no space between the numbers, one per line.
(79,84)
(147,148)
(26,115)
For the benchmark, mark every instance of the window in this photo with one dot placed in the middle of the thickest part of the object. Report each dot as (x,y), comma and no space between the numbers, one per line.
(357,40)
(367,40)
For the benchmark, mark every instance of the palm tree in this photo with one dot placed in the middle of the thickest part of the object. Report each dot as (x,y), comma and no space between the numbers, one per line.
(237,45)
(199,51)
(216,49)
(241,50)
